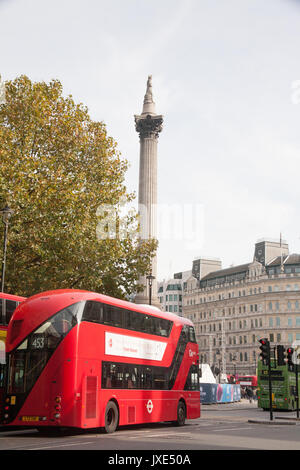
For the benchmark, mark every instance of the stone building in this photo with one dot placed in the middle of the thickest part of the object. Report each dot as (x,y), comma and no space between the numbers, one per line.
(233,308)
(170,292)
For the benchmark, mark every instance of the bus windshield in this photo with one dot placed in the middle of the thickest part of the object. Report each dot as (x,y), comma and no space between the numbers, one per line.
(28,360)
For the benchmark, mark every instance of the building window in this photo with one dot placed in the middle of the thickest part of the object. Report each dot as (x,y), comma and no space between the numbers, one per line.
(270,321)
(297,321)
(289,305)
(290,338)
(277,321)
(270,305)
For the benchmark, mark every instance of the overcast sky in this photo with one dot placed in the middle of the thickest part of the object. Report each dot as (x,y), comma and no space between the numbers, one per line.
(226,77)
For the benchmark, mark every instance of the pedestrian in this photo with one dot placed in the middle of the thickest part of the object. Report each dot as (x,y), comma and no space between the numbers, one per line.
(249,392)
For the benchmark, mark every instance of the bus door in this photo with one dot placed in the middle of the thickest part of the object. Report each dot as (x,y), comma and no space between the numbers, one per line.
(90,394)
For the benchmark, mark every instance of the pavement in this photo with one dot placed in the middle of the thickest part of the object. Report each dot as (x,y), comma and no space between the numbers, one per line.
(243,403)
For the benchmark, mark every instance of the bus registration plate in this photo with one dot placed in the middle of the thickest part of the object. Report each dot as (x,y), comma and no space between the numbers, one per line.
(30,418)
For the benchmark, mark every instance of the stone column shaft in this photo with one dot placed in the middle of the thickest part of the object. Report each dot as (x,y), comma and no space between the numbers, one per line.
(148,125)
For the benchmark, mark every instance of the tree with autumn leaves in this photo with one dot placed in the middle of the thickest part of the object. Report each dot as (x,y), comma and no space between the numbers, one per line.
(58,169)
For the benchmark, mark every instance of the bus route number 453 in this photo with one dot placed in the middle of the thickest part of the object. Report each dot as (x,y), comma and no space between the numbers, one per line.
(38,342)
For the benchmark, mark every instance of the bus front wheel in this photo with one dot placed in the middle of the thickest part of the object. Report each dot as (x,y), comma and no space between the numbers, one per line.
(111,417)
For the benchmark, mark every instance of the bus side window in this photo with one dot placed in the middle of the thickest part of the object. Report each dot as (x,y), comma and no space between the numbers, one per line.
(148,324)
(112,315)
(137,321)
(146,378)
(11,306)
(192,336)
(163,327)
(93,312)
(128,376)
(128,323)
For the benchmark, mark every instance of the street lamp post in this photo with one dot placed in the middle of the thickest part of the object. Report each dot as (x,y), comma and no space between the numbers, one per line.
(218,358)
(234,364)
(6,215)
(150,280)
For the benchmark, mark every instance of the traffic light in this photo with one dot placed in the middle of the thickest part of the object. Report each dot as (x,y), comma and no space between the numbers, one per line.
(280,355)
(290,363)
(265,351)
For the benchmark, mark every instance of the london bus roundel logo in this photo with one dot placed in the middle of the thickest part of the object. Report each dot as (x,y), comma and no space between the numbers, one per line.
(149,406)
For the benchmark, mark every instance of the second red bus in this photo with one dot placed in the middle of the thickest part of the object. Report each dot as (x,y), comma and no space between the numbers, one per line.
(8,304)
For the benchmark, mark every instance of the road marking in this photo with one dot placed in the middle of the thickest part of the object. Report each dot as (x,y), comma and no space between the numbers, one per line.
(230,429)
(62,445)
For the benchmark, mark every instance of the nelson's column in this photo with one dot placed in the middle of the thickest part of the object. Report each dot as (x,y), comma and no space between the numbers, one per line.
(148,125)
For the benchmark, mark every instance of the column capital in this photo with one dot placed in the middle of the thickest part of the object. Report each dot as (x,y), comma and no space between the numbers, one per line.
(148,126)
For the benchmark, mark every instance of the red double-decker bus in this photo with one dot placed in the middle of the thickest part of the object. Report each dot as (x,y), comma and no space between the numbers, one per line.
(247,380)
(8,304)
(85,360)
